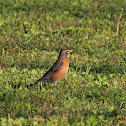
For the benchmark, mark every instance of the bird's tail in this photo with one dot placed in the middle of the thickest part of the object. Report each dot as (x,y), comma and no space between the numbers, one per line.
(35,82)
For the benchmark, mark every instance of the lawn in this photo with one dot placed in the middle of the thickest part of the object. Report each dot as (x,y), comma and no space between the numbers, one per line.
(32,33)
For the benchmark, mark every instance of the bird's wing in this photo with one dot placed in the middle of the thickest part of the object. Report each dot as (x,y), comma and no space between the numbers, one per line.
(47,77)
(55,68)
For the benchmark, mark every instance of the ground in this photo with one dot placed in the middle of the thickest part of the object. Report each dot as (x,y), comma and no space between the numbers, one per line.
(32,33)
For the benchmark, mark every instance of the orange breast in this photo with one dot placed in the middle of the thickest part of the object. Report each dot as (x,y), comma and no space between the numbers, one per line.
(60,74)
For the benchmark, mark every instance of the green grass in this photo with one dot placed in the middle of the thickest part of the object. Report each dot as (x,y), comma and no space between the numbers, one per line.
(32,33)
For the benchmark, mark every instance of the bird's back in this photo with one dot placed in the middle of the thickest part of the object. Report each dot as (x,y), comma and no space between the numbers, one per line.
(47,77)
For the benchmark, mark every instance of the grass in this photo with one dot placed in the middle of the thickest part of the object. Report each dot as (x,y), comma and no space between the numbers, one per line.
(32,33)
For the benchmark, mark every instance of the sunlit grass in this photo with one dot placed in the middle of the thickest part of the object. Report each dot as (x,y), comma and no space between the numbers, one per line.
(32,33)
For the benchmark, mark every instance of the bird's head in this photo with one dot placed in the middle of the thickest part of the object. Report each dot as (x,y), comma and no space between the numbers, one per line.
(64,53)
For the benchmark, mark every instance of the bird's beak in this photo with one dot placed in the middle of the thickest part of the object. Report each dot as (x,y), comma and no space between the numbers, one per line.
(70,51)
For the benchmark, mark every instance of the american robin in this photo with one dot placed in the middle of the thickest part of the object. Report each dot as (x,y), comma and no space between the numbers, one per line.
(58,70)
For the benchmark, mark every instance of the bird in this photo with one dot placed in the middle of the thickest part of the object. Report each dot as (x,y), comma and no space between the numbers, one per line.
(58,70)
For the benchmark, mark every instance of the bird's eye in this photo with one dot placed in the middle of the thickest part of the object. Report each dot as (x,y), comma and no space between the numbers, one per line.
(67,51)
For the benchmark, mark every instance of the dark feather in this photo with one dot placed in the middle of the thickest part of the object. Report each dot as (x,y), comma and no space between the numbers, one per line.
(47,77)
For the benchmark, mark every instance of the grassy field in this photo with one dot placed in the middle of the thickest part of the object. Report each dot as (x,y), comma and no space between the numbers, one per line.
(32,33)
